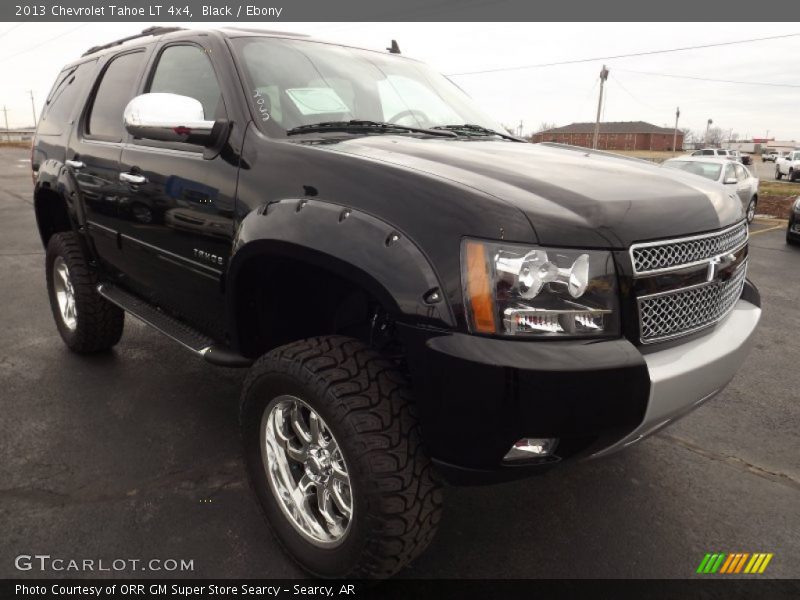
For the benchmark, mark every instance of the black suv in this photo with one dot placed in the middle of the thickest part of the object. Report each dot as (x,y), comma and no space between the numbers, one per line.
(420,296)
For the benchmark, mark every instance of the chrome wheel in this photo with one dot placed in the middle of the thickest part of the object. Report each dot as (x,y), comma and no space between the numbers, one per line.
(751,211)
(306,471)
(65,294)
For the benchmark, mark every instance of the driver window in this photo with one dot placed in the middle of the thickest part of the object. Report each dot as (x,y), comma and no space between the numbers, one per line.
(403,96)
(187,71)
(730,173)
(741,175)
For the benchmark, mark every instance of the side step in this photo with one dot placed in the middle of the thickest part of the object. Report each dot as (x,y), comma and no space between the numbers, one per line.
(173,328)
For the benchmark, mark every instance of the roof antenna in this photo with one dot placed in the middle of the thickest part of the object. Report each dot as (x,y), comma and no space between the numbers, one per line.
(394,48)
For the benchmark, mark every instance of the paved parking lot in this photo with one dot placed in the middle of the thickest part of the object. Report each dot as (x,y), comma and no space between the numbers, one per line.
(134,454)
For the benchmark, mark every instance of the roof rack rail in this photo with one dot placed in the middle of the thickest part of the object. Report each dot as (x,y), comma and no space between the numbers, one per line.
(144,33)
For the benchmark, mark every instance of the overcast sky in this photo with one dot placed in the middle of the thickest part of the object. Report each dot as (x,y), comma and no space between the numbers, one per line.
(31,54)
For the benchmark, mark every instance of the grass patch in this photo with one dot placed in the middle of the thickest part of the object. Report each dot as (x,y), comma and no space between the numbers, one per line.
(7,144)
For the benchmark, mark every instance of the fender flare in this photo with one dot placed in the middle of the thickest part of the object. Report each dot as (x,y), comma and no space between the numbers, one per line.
(54,183)
(350,243)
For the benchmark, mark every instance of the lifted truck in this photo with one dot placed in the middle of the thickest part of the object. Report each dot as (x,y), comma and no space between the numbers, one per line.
(419,295)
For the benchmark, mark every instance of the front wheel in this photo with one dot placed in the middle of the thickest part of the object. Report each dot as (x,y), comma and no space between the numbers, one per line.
(335,458)
(751,210)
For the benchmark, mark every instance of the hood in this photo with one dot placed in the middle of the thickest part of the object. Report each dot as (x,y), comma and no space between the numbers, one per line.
(571,196)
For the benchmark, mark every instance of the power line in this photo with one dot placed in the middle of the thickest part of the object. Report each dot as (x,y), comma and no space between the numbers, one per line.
(47,41)
(642,102)
(630,55)
(10,29)
(789,85)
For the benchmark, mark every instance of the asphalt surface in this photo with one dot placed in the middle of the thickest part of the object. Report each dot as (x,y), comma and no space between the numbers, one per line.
(135,454)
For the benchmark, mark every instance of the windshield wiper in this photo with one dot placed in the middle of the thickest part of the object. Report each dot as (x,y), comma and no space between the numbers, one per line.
(364,126)
(469,129)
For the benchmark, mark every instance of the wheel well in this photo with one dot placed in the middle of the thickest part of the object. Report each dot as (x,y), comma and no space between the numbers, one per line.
(279,300)
(51,214)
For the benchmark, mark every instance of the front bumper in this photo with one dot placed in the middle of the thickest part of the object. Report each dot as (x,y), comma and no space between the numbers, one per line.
(685,376)
(477,396)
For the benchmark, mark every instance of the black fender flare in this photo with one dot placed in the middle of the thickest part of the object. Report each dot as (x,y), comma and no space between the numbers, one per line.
(353,244)
(54,183)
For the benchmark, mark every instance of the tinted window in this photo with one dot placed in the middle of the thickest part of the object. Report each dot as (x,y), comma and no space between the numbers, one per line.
(186,70)
(116,89)
(60,104)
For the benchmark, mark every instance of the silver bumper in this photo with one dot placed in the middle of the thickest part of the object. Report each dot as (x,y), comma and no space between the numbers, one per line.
(685,376)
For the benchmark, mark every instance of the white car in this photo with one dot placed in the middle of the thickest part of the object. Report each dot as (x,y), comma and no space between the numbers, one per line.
(788,165)
(711,152)
(722,170)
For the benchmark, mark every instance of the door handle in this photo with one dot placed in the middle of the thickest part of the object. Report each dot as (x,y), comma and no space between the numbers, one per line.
(75,164)
(133,178)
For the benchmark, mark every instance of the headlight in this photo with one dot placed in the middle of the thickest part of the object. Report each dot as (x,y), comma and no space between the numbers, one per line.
(513,289)
(796,205)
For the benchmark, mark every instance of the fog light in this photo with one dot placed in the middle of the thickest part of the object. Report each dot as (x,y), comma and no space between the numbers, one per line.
(528,448)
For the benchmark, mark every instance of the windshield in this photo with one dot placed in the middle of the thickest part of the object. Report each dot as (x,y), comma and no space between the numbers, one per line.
(299,82)
(704,169)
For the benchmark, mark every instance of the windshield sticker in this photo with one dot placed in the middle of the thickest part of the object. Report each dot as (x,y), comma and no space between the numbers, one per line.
(317,100)
(261,105)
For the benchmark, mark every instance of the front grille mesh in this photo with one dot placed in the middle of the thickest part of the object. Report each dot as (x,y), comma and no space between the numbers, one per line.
(683,311)
(668,254)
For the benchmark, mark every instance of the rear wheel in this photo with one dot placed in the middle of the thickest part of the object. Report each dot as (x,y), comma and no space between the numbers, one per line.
(335,458)
(792,175)
(86,321)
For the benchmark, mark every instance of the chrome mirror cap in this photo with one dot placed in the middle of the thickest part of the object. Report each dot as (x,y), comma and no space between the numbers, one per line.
(168,118)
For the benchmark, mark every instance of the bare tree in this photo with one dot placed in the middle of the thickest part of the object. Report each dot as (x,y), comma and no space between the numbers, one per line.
(545,126)
(715,136)
(688,134)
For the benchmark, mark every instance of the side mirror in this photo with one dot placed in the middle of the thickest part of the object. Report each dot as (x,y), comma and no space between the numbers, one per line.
(731,180)
(168,118)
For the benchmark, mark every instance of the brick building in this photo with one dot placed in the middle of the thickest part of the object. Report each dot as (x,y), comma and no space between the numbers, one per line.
(619,135)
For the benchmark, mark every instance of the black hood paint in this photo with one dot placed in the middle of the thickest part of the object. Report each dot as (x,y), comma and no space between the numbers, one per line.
(571,196)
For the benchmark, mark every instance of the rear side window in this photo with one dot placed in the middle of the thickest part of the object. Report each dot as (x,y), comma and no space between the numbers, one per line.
(67,91)
(186,70)
(115,91)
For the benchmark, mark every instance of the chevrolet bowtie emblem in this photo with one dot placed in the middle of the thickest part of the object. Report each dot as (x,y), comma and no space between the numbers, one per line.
(713,265)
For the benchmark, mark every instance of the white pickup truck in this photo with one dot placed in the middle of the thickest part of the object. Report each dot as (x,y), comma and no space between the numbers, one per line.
(788,165)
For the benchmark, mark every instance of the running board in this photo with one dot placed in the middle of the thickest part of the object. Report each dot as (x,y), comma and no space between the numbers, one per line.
(173,328)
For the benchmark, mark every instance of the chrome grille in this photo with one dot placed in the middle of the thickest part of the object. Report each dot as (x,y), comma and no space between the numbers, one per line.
(653,257)
(672,314)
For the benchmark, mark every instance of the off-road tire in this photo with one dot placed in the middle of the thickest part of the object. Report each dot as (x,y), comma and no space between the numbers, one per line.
(99,323)
(366,402)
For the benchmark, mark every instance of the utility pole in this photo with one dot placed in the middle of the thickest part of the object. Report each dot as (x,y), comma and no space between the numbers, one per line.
(675,134)
(708,125)
(33,108)
(8,132)
(603,77)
